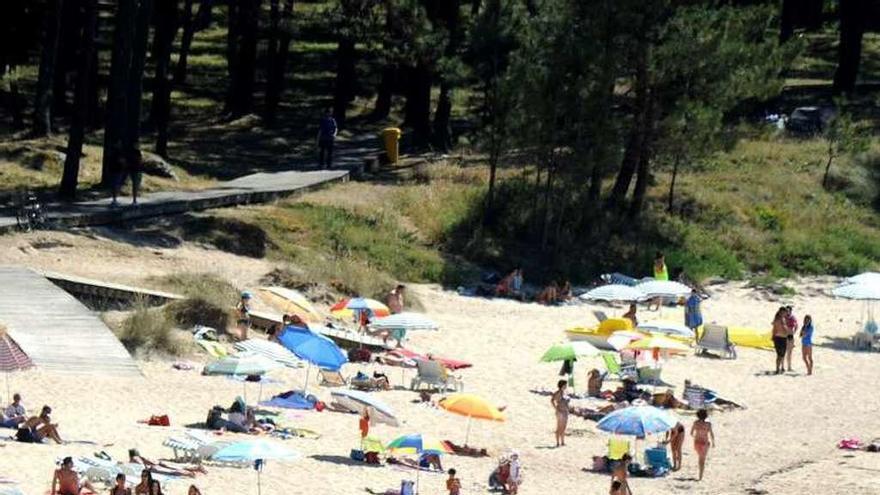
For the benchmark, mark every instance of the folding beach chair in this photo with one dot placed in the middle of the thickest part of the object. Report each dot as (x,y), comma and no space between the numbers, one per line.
(433,374)
(332,378)
(715,338)
(695,397)
(656,457)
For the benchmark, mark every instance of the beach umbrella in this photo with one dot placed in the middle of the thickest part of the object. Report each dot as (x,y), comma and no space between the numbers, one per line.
(657,342)
(858,291)
(569,351)
(270,350)
(404,321)
(865,278)
(664,288)
(614,293)
(417,444)
(12,358)
(313,348)
(356,400)
(472,406)
(258,451)
(637,421)
(290,301)
(346,308)
(241,364)
(622,338)
(667,328)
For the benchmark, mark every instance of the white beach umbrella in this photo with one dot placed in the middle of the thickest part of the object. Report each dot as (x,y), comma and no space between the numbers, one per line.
(667,328)
(859,291)
(404,321)
(867,278)
(359,401)
(614,292)
(664,288)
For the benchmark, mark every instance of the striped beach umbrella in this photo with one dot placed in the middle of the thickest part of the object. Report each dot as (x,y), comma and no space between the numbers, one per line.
(270,350)
(12,358)
(404,321)
(346,308)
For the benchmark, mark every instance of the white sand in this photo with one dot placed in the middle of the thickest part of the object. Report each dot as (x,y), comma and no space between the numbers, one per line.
(784,443)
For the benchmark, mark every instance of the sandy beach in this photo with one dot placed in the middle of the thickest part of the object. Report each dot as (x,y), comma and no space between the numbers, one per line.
(784,442)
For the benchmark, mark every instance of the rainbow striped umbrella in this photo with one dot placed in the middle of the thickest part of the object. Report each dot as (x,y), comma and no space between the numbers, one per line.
(418,444)
(346,308)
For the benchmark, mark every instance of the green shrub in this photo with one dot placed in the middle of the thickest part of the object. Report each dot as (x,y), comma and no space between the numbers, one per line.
(208,300)
(148,330)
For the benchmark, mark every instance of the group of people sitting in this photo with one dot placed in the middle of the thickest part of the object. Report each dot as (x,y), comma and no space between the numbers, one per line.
(33,429)
(512,286)
(66,480)
(239,419)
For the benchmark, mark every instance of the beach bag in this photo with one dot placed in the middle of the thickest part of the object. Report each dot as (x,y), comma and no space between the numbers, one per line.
(406,487)
(162,420)
(357,455)
(371,457)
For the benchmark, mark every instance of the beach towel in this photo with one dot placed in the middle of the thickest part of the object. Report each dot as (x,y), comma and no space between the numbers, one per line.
(452,364)
(291,400)
(849,444)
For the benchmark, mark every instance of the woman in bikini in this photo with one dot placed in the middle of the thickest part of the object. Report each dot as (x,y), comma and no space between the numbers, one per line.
(143,488)
(780,339)
(704,438)
(619,474)
(35,429)
(120,488)
(560,404)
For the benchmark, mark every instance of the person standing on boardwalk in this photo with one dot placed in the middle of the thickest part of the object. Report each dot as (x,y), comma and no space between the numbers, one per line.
(130,165)
(327,130)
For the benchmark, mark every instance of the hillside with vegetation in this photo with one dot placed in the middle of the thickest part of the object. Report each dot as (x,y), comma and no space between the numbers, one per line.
(570,152)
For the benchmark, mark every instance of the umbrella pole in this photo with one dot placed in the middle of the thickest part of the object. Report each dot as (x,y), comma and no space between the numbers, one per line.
(306,386)
(259,485)
(418,477)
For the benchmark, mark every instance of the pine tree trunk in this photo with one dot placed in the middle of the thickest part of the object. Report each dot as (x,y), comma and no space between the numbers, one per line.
(163,41)
(134,86)
(343,93)
(79,120)
(418,103)
(117,92)
(189,32)
(244,67)
(643,174)
(233,46)
(635,141)
(449,15)
(852,27)
(72,23)
(42,125)
(279,55)
(385,92)
(206,12)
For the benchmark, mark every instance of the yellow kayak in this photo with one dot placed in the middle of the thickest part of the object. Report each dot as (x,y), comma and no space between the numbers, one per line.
(598,336)
(750,337)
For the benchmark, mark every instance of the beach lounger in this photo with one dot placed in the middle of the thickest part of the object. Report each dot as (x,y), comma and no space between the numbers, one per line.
(715,338)
(332,378)
(657,457)
(215,349)
(433,373)
(617,447)
(619,370)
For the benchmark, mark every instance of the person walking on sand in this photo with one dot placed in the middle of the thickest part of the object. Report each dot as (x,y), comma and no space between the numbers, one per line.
(514,480)
(693,314)
(364,424)
(560,404)
(327,131)
(807,343)
(704,439)
(791,325)
(244,315)
(395,300)
(619,474)
(675,437)
(780,339)
(453,484)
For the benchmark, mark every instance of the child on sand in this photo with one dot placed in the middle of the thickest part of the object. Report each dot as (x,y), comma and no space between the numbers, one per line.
(704,438)
(675,437)
(807,343)
(619,474)
(453,484)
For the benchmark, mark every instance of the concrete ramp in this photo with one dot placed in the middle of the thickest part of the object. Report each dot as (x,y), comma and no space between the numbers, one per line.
(55,330)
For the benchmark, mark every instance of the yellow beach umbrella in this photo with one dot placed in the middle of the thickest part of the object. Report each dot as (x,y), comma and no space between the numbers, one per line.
(472,406)
(658,342)
(289,301)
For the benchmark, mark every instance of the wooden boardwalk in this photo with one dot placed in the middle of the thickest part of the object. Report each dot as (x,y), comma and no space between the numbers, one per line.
(55,330)
(255,188)
(107,292)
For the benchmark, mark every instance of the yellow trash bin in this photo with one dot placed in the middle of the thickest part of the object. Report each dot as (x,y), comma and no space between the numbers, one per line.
(391,140)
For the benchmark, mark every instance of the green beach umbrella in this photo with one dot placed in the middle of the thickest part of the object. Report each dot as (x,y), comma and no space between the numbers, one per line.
(569,351)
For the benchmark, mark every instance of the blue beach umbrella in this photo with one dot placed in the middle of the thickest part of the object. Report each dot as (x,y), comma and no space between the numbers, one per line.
(315,349)
(637,421)
(258,451)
